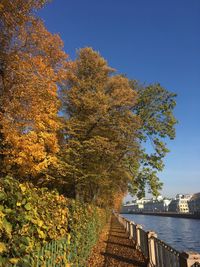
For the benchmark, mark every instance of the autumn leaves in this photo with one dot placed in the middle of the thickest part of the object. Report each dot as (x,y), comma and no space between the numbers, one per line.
(32,67)
(74,125)
(101,128)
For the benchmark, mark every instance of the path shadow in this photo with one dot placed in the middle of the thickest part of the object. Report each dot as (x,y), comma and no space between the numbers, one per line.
(120,250)
(123,259)
(118,236)
(118,244)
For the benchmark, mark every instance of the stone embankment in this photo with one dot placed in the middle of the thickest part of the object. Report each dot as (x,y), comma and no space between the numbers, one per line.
(167,214)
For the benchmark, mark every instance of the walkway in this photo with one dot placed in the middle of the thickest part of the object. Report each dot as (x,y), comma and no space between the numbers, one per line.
(120,250)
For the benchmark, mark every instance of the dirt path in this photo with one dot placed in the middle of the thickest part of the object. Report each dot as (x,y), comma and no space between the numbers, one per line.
(115,249)
(97,255)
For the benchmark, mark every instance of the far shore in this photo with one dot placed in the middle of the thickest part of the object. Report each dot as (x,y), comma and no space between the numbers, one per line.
(166,214)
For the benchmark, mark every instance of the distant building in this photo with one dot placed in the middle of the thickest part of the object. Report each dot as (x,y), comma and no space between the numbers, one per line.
(180,203)
(158,205)
(178,196)
(158,198)
(136,205)
(194,203)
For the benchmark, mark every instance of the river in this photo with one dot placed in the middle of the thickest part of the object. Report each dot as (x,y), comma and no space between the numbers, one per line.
(182,234)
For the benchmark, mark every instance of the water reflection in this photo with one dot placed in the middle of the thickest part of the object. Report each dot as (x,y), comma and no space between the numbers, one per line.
(180,233)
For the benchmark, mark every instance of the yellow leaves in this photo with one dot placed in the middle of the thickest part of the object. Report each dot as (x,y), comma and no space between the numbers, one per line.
(18,204)
(30,122)
(121,92)
(41,234)
(29,151)
(50,141)
(5,225)
(22,187)
(3,247)
(14,260)
(1,7)
(68,239)
(40,222)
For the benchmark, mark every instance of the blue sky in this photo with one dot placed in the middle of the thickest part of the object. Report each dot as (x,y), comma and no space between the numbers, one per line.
(152,41)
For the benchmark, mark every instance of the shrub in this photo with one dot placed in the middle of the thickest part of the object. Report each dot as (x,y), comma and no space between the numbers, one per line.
(85,225)
(29,217)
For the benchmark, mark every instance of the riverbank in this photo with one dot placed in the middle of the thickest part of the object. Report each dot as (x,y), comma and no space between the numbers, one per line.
(180,233)
(152,245)
(167,214)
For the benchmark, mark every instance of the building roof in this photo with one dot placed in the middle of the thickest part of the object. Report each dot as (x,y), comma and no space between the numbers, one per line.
(195,196)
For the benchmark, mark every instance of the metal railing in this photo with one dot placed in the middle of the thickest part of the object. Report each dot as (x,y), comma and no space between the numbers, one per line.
(156,252)
(165,255)
(144,242)
(54,254)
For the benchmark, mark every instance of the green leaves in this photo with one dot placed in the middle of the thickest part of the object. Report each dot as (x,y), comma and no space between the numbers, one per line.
(25,223)
(86,222)
(155,108)
(28,206)
(7,227)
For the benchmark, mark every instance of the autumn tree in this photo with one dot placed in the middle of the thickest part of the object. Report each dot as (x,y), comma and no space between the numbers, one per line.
(95,152)
(32,66)
(155,107)
(101,129)
(109,118)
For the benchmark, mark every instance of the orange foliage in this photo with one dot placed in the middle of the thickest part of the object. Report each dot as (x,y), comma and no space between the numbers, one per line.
(32,67)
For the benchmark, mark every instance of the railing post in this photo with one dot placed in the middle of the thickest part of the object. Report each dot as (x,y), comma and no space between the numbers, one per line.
(123,221)
(127,226)
(138,241)
(131,230)
(151,248)
(188,259)
(120,219)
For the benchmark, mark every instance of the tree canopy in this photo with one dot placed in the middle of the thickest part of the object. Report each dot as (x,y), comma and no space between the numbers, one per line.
(77,126)
(32,65)
(101,129)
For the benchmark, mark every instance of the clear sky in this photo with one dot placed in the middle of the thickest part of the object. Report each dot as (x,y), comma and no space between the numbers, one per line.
(152,41)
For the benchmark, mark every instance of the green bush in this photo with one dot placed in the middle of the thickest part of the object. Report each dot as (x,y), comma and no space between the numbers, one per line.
(31,217)
(85,225)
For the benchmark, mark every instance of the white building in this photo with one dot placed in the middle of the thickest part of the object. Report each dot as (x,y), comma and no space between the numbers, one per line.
(180,203)
(136,205)
(158,205)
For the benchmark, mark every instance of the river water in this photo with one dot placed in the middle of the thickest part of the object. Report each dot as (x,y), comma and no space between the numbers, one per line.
(182,234)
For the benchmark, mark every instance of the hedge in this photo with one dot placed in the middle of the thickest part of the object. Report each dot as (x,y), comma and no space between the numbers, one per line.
(31,217)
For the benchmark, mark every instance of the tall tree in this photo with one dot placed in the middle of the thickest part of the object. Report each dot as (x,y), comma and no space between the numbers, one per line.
(109,118)
(32,65)
(101,129)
